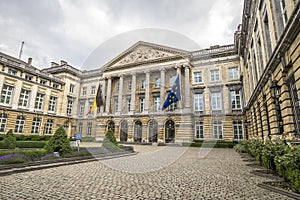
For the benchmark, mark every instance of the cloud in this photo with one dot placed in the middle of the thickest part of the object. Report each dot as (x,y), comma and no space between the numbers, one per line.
(72,29)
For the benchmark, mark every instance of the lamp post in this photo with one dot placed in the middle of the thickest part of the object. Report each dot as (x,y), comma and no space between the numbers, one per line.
(275,92)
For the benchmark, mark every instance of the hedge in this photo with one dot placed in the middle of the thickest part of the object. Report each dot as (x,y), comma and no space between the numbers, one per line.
(212,144)
(28,137)
(31,144)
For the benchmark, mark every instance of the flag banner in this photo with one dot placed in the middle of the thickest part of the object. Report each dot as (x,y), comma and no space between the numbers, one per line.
(174,95)
(98,101)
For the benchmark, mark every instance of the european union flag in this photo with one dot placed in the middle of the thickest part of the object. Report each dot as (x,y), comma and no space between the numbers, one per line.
(174,95)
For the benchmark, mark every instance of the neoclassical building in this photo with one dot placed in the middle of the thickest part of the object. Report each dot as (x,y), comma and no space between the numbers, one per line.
(249,89)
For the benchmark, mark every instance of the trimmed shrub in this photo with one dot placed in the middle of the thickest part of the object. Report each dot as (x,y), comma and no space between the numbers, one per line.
(110,141)
(9,140)
(30,144)
(59,142)
(88,139)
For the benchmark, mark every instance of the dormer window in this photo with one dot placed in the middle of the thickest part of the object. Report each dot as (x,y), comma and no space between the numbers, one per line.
(28,78)
(12,72)
(43,82)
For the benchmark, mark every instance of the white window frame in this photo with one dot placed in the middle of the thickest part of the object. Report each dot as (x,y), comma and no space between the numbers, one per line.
(49,127)
(128,104)
(156,104)
(141,104)
(157,83)
(24,98)
(72,88)
(3,121)
(129,86)
(116,104)
(283,12)
(143,84)
(198,102)
(6,94)
(81,108)
(89,128)
(172,80)
(52,104)
(215,75)
(238,132)
(12,72)
(216,101)
(235,96)
(70,106)
(36,122)
(20,122)
(197,77)
(93,90)
(39,101)
(199,130)
(233,73)
(172,107)
(217,129)
(84,89)
(80,126)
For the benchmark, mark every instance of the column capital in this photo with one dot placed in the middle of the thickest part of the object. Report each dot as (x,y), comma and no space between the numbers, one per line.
(187,66)
(147,71)
(162,69)
(133,73)
(121,75)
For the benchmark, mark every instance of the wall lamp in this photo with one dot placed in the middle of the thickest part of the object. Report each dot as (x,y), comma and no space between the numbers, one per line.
(275,92)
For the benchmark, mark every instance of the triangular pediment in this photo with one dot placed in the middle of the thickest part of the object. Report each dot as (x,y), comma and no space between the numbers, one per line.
(143,52)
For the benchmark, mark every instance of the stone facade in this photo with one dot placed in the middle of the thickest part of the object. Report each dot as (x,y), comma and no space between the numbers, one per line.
(246,90)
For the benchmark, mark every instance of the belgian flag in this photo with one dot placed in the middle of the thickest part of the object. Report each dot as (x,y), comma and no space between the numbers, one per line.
(98,100)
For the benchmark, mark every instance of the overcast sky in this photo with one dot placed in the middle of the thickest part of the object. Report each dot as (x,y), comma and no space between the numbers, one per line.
(72,30)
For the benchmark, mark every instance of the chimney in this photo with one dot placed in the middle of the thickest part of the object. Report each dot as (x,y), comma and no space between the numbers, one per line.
(54,64)
(29,62)
(62,62)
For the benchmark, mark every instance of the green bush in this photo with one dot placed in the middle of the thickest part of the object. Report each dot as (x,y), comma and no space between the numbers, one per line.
(59,142)
(9,140)
(30,144)
(109,141)
(32,137)
(2,136)
(88,139)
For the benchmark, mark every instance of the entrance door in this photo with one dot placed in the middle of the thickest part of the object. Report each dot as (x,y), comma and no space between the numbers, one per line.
(124,131)
(153,131)
(138,131)
(170,131)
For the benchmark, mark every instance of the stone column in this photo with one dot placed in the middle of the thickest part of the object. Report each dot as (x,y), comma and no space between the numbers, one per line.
(32,97)
(187,93)
(133,89)
(120,94)
(179,103)
(103,94)
(147,92)
(16,94)
(108,93)
(162,87)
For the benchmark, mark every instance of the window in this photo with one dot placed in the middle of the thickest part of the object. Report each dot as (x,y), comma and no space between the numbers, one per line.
(39,101)
(69,106)
(198,102)
(93,90)
(28,78)
(55,85)
(89,128)
(35,125)
(129,86)
(233,73)
(19,127)
(49,127)
(72,87)
(199,130)
(235,97)
(172,80)
(80,127)
(116,104)
(12,72)
(157,83)
(214,75)
(83,91)
(52,104)
(172,107)
(128,104)
(217,129)
(141,104)
(24,98)
(283,11)
(143,84)
(81,108)
(156,103)
(3,120)
(216,101)
(43,82)
(238,130)
(6,94)
(197,77)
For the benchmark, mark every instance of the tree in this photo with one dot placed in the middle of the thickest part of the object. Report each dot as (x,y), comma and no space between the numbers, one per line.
(59,142)
(9,140)
(110,141)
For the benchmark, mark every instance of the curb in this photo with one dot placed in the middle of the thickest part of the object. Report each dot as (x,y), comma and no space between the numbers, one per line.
(13,170)
(278,190)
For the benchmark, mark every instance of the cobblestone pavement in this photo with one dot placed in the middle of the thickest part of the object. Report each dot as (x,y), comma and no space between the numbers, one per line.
(154,173)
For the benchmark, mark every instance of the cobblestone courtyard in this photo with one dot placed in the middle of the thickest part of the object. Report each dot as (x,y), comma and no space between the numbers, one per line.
(154,173)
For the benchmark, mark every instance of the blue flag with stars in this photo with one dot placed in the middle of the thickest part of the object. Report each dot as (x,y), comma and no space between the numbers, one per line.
(174,95)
